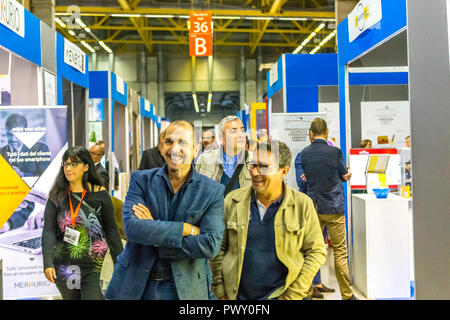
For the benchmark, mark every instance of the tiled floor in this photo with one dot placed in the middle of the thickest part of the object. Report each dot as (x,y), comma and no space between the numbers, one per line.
(329,279)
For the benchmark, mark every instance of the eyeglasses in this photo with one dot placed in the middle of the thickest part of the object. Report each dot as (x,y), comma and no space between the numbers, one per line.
(73,164)
(262,168)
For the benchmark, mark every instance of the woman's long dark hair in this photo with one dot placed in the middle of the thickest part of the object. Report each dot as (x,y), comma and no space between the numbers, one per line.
(60,187)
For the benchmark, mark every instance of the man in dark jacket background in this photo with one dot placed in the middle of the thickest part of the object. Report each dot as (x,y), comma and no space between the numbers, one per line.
(325,170)
(152,158)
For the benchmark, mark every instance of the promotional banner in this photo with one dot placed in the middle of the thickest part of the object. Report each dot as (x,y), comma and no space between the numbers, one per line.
(293,129)
(32,142)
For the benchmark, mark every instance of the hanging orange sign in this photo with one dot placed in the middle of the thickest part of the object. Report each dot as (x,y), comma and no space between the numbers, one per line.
(200,33)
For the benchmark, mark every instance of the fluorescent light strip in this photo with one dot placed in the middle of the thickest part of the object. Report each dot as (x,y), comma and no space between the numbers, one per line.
(136,15)
(159,16)
(87,46)
(71,33)
(81,23)
(126,15)
(208,108)
(59,21)
(194,97)
(308,38)
(317,48)
(259,18)
(105,46)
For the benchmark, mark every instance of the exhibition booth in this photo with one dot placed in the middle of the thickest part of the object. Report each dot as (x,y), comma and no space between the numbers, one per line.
(300,88)
(134,126)
(35,62)
(374,105)
(147,124)
(109,94)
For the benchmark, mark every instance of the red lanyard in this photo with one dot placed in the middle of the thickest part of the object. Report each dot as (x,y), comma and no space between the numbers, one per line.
(73,215)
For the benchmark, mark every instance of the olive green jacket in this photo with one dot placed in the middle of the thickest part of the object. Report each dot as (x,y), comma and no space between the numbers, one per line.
(298,240)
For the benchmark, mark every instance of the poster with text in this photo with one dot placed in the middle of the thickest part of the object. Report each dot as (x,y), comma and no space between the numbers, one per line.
(385,123)
(332,111)
(293,130)
(32,141)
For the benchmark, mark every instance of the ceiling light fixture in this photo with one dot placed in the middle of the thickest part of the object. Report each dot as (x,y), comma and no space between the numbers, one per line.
(87,46)
(308,38)
(105,46)
(194,97)
(325,40)
(208,107)
(59,21)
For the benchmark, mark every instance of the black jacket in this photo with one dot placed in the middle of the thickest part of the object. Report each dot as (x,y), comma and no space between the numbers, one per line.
(104,175)
(324,167)
(151,158)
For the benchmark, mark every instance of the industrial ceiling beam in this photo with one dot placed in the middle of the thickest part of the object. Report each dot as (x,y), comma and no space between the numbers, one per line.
(216,29)
(138,23)
(102,11)
(218,43)
(276,8)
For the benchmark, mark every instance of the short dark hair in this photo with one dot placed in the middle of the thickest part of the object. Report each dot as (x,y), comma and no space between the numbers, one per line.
(279,149)
(15,120)
(184,123)
(318,126)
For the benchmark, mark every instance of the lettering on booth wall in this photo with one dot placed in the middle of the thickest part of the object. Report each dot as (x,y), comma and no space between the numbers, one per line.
(12,16)
(74,56)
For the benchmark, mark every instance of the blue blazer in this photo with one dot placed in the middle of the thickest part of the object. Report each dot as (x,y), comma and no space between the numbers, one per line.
(324,167)
(202,205)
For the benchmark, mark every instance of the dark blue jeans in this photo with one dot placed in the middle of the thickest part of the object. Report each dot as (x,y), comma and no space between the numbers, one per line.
(160,290)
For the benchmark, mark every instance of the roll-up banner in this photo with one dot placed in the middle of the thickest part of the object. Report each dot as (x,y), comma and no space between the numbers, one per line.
(32,141)
(293,130)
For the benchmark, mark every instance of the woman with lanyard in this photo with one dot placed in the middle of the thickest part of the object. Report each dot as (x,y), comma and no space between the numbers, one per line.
(79,226)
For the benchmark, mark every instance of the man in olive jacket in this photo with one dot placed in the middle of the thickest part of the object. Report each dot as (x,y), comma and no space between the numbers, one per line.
(272,246)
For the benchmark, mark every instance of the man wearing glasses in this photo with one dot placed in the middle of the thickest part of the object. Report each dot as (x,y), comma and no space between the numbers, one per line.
(272,246)
(226,165)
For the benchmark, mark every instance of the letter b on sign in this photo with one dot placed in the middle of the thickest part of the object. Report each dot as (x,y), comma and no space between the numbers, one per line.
(200,45)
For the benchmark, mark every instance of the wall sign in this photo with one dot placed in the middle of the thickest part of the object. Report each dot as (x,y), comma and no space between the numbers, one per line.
(200,33)
(74,56)
(12,16)
(120,85)
(366,14)
(273,74)
(147,105)
(293,129)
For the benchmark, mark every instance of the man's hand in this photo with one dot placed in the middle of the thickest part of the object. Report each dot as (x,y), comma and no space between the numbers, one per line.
(303,177)
(50,274)
(347,176)
(142,212)
(190,230)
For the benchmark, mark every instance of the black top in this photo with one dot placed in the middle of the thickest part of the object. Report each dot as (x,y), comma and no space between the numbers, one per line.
(151,158)
(95,222)
(324,167)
